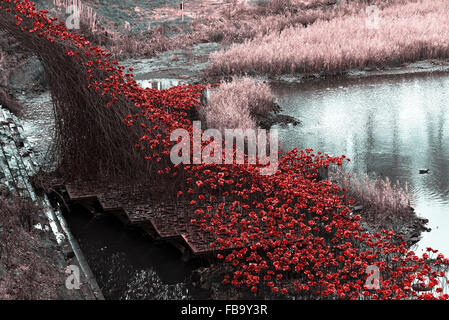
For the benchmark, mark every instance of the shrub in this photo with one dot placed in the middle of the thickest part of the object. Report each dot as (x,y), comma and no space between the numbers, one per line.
(379,197)
(237,104)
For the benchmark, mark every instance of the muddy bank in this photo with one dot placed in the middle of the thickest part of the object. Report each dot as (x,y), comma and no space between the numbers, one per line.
(410,227)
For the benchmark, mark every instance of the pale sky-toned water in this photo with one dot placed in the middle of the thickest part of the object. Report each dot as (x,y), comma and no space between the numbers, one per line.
(392,127)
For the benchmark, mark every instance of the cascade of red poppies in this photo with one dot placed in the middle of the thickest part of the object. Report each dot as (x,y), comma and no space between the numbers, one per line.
(285,233)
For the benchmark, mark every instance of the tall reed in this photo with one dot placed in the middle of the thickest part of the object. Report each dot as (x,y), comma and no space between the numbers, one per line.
(237,104)
(402,32)
(379,197)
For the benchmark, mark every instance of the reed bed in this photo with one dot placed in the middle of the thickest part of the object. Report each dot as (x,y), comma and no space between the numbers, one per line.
(406,31)
(241,25)
(378,197)
(237,104)
(232,23)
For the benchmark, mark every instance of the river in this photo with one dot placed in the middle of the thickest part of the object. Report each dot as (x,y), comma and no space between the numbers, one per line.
(389,127)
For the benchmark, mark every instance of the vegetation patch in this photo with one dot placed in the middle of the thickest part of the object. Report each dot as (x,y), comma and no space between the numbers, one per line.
(28,270)
(237,104)
(401,32)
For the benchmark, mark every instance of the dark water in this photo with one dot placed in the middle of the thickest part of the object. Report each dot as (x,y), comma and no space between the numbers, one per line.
(390,127)
(128,264)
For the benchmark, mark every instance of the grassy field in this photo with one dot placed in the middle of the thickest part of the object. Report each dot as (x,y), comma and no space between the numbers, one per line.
(404,31)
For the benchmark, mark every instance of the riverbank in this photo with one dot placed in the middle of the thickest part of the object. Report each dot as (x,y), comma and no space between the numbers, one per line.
(401,32)
(410,226)
(37,247)
(423,67)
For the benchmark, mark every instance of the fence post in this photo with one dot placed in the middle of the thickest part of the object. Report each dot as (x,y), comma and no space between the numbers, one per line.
(181,6)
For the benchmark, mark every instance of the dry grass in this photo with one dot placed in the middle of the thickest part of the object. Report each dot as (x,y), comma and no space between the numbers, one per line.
(231,23)
(248,22)
(124,44)
(237,104)
(408,31)
(147,45)
(132,45)
(378,197)
(28,273)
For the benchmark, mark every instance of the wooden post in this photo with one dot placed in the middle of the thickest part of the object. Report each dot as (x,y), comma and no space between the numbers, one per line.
(181,6)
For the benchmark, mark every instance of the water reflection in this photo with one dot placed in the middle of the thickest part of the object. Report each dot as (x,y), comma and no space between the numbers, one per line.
(121,259)
(159,84)
(393,127)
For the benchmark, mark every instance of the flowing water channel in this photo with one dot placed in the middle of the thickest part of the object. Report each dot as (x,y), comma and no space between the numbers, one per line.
(387,127)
